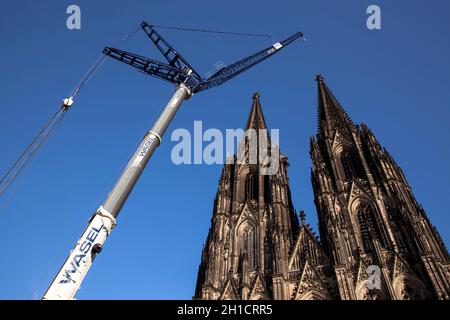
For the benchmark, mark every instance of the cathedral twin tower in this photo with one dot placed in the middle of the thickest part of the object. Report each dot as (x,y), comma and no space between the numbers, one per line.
(376,241)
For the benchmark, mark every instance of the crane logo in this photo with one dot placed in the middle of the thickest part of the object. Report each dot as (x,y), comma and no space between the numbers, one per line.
(147,145)
(83,250)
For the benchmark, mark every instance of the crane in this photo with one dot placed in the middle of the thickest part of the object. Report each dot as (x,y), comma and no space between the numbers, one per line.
(188,82)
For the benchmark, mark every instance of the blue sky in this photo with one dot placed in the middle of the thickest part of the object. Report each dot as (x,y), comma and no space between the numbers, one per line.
(395,80)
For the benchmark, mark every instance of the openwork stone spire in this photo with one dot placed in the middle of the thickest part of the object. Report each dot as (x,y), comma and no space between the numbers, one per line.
(370,225)
(256,117)
(331,115)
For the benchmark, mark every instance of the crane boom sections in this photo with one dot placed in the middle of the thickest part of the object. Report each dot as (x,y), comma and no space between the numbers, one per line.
(170,54)
(178,70)
(188,81)
(226,73)
(153,67)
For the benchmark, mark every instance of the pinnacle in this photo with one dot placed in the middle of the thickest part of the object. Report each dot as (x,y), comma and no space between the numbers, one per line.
(256,117)
(331,113)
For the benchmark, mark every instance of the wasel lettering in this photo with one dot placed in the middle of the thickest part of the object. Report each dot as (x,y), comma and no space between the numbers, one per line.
(147,145)
(83,249)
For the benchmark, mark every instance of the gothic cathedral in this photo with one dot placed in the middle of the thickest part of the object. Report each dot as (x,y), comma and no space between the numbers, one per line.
(376,241)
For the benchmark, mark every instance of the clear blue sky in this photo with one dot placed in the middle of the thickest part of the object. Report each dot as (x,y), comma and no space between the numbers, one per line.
(396,80)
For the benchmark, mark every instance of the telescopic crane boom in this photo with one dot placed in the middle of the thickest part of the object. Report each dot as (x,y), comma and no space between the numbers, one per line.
(178,71)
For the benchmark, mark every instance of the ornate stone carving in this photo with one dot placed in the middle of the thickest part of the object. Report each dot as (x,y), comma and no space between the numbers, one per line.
(367,217)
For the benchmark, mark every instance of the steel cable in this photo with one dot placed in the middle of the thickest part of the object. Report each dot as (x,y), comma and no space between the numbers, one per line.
(19,164)
(213,31)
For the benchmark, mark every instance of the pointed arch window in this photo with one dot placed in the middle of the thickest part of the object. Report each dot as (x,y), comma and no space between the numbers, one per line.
(367,226)
(267,197)
(248,245)
(351,165)
(251,187)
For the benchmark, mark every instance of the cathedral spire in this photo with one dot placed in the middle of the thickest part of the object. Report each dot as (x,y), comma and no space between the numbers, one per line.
(366,208)
(331,114)
(368,217)
(256,118)
(253,225)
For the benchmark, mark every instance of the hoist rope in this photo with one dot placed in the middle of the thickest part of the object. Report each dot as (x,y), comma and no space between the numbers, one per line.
(28,148)
(28,153)
(19,164)
(88,75)
(213,31)
(96,66)
(21,161)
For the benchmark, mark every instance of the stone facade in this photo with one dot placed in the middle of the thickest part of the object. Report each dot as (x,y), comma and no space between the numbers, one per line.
(376,241)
